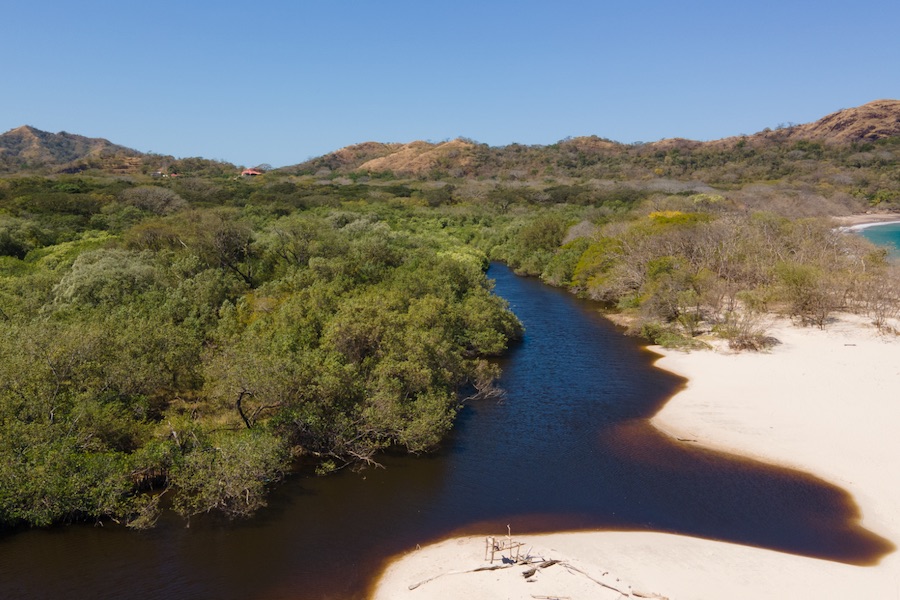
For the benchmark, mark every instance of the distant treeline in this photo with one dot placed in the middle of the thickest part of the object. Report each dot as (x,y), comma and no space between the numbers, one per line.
(867,171)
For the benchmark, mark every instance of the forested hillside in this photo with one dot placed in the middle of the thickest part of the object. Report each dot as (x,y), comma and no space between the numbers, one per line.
(184,342)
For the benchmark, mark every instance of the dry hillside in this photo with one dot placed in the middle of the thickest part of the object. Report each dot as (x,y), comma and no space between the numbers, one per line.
(419,158)
(867,123)
(27,148)
(32,148)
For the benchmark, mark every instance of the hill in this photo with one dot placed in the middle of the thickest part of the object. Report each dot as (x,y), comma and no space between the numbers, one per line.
(595,156)
(27,148)
(30,150)
(868,123)
(769,154)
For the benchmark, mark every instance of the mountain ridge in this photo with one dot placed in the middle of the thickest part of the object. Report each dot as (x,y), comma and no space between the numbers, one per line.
(28,148)
(866,123)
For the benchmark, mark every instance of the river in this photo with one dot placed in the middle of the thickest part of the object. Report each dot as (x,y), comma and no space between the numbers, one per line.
(568,447)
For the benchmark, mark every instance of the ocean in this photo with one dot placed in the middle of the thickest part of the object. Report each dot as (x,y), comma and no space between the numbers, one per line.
(884,235)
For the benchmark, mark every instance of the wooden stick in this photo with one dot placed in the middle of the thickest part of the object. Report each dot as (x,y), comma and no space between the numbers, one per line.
(489,568)
(600,583)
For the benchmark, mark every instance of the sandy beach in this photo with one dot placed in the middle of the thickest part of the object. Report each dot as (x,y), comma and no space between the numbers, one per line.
(824,402)
(862,221)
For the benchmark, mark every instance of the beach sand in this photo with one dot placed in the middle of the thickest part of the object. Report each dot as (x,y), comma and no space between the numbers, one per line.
(861,221)
(824,402)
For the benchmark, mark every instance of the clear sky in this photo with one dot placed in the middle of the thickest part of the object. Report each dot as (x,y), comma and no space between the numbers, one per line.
(282,81)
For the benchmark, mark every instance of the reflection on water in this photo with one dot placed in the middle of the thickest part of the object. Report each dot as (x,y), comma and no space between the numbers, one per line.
(569,447)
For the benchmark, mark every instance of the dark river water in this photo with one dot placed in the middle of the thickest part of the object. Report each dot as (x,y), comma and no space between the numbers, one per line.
(569,447)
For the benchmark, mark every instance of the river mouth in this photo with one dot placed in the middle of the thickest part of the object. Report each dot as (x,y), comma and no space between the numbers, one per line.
(569,447)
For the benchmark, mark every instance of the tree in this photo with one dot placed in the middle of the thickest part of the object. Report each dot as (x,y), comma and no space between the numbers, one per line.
(154,199)
(228,473)
(809,291)
(107,276)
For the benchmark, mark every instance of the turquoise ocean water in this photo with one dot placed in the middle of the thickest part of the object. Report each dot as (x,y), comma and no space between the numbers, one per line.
(884,235)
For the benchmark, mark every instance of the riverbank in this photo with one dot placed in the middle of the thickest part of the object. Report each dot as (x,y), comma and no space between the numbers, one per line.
(825,402)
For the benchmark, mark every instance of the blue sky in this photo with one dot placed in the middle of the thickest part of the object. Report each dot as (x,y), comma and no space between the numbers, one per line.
(279,82)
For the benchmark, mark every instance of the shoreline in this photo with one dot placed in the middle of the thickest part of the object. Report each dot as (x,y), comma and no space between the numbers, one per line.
(824,402)
(865,221)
